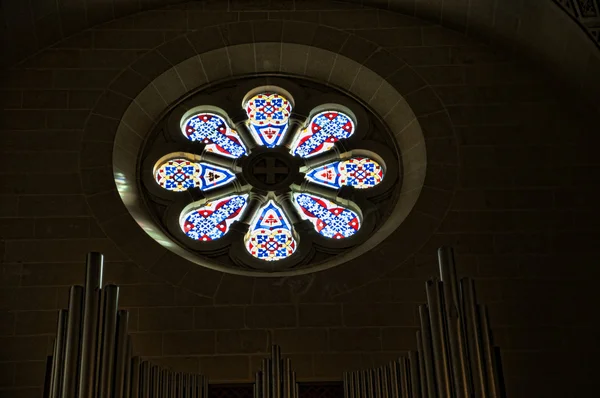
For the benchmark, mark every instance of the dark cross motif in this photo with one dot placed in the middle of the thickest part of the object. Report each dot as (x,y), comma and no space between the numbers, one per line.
(270,170)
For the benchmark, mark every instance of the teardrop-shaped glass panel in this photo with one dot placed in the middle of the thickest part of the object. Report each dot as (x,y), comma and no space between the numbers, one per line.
(322,132)
(180,174)
(212,221)
(357,172)
(270,237)
(268,118)
(214,131)
(328,218)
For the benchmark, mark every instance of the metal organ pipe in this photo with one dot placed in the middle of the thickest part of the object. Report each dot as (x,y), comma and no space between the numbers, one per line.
(72,340)
(91,304)
(93,357)
(275,379)
(455,357)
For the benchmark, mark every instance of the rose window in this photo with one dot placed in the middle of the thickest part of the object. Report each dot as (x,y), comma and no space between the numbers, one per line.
(273,185)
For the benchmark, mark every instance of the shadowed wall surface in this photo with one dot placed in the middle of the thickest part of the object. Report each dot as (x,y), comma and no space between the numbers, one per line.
(511,184)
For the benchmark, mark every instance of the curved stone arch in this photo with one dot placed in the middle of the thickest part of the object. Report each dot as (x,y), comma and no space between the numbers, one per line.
(585,19)
(365,78)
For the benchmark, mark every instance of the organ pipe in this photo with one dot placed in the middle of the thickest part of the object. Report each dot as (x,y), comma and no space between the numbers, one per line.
(275,379)
(93,283)
(72,342)
(92,355)
(455,356)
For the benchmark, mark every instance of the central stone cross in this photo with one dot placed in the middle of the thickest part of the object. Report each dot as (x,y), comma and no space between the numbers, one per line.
(269,169)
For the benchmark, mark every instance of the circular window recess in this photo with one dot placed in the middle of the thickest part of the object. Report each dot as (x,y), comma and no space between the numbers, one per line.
(269,175)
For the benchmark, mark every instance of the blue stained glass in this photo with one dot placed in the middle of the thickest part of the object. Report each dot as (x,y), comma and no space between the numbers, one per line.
(328,218)
(181,174)
(270,237)
(358,172)
(322,132)
(214,176)
(213,131)
(268,118)
(212,221)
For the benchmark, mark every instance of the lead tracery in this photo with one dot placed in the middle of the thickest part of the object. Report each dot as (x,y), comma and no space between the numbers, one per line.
(271,234)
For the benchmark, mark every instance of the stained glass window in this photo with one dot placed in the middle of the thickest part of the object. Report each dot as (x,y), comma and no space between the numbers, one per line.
(212,221)
(270,237)
(322,132)
(328,218)
(213,131)
(180,174)
(357,172)
(268,118)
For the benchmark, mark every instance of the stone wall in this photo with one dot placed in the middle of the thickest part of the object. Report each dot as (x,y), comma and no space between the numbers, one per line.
(514,167)
(562,34)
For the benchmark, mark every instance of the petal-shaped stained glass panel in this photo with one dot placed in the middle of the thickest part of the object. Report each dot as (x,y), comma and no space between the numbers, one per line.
(181,174)
(213,131)
(357,172)
(178,175)
(328,218)
(270,236)
(268,118)
(212,221)
(322,132)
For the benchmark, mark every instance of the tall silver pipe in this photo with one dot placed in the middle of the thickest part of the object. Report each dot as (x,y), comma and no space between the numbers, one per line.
(59,355)
(128,369)
(48,373)
(428,360)
(172,393)
(276,367)
(121,353)
(265,379)
(97,356)
(490,362)
(164,383)
(369,378)
(294,386)
(454,358)
(188,384)
(145,380)
(438,337)
(257,384)
(447,268)
(178,385)
(134,389)
(453,321)
(268,370)
(473,338)
(415,386)
(346,381)
(73,339)
(155,375)
(353,384)
(109,329)
(93,283)
(53,370)
(194,386)
(405,377)
(394,380)
(422,372)
(385,380)
(364,390)
(378,386)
